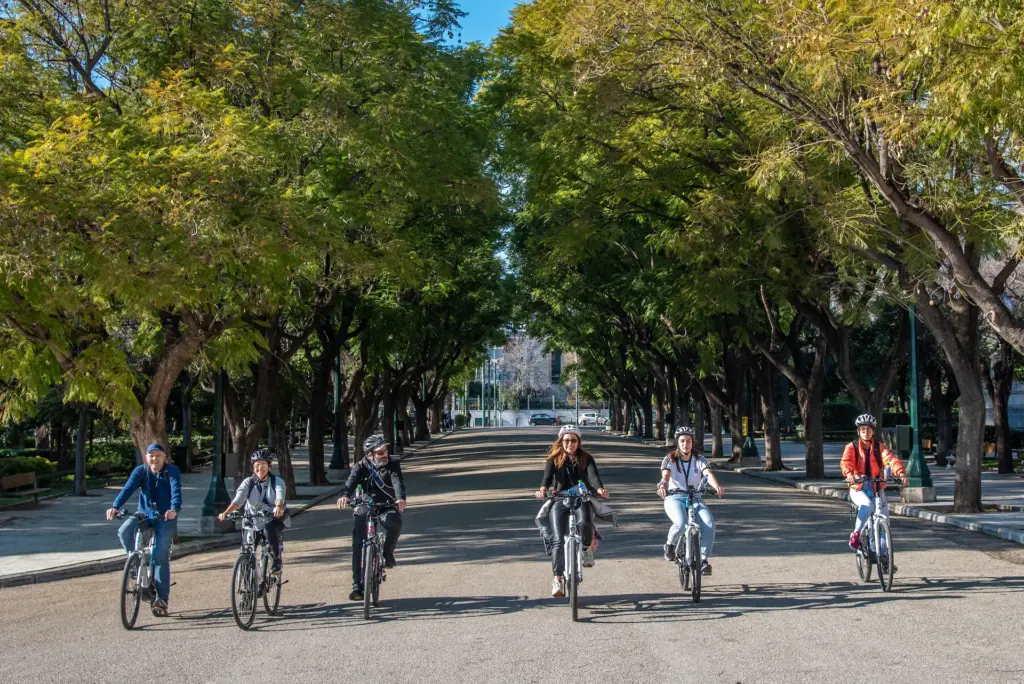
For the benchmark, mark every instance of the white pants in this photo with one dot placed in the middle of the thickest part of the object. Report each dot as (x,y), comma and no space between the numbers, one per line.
(862,500)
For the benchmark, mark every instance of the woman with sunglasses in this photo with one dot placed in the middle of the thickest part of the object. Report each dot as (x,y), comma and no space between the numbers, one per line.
(568,463)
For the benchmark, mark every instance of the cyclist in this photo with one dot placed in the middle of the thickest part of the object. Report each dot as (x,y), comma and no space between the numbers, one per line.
(680,470)
(263,493)
(381,478)
(867,457)
(159,485)
(568,463)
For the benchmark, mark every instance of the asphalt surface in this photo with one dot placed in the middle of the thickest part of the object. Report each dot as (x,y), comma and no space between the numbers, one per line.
(469,601)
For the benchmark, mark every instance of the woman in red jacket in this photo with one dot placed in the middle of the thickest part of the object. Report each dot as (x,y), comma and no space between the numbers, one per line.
(867,457)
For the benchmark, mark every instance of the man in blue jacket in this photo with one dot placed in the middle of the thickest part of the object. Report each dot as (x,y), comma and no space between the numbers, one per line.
(159,485)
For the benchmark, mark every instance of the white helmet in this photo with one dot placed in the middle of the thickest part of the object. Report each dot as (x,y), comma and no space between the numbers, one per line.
(865,419)
(569,430)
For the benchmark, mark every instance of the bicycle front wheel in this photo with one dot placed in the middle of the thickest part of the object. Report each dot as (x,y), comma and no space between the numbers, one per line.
(131,597)
(243,591)
(369,578)
(695,566)
(885,555)
(572,583)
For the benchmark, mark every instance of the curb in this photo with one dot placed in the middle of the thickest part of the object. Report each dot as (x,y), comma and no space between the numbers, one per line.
(98,567)
(1006,533)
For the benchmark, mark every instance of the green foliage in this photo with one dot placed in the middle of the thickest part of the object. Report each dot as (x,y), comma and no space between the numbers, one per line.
(14,465)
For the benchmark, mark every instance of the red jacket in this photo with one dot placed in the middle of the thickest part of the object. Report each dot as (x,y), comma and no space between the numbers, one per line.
(855,458)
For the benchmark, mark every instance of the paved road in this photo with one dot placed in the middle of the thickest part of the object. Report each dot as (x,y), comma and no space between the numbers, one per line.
(469,601)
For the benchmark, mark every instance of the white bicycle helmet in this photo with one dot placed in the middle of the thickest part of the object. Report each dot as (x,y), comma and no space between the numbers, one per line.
(685,430)
(569,430)
(865,419)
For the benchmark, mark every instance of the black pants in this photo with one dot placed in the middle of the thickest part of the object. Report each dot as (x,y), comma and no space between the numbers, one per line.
(392,525)
(560,526)
(274,531)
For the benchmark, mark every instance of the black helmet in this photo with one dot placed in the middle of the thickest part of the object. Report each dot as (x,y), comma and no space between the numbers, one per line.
(262,455)
(374,442)
(685,430)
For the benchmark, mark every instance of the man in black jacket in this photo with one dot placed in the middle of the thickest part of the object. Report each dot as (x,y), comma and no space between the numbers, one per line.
(381,480)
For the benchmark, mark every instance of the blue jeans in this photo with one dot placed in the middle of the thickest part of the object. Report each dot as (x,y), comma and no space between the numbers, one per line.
(163,534)
(675,507)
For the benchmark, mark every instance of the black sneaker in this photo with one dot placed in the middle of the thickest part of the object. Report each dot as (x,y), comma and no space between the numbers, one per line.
(670,553)
(389,560)
(356,595)
(705,569)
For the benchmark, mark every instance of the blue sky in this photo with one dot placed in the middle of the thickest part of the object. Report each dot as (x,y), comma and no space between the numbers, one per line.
(485,18)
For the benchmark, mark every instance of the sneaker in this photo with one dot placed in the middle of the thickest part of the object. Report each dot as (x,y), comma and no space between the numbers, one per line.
(389,560)
(670,553)
(855,541)
(705,568)
(356,595)
(557,590)
(275,576)
(588,558)
(160,608)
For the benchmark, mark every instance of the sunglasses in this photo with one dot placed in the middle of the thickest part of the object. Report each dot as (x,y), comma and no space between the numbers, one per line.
(570,440)
(383,451)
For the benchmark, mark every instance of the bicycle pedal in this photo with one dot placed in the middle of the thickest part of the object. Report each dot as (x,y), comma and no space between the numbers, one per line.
(281,584)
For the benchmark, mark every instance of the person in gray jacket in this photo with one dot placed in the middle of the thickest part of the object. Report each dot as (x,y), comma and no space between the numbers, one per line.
(262,492)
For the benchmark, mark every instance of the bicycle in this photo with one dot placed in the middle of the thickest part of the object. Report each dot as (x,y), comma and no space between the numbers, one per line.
(374,572)
(247,584)
(576,498)
(876,531)
(688,555)
(137,576)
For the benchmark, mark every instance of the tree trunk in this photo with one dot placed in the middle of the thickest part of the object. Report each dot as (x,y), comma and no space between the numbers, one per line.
(810,398)
(435,415)
(280,432)
(772,441)
(659,412)
(960,343)
(783,385)
(998,378)
(698,420)
(83,422)
(647,410)
(717,448)
(317,424)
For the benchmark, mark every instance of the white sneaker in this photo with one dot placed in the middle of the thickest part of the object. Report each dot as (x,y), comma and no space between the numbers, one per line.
(588,558)
(557,590)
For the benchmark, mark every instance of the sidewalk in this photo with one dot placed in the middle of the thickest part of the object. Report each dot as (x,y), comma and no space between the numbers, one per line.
(1004,492)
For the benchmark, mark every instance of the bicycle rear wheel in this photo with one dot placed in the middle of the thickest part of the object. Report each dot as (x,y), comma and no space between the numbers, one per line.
(571,576)
(271,587)
(369,577)
(243,591)
(131,597)
(863,556)
(883,545)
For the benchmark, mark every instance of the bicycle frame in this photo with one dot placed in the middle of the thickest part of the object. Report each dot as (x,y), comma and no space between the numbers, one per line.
(876,518)
(574,536)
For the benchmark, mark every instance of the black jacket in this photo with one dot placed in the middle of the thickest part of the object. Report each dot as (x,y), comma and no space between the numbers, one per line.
(569,474)
(377,480)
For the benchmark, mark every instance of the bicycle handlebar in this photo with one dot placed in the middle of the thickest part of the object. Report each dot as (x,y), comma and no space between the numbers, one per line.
(138,515)
(259,515)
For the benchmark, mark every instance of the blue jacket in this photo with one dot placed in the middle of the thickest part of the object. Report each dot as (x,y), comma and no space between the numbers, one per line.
(157,490)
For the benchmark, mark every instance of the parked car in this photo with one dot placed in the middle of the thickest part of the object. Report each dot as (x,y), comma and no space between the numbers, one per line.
(592,418)
(542,419)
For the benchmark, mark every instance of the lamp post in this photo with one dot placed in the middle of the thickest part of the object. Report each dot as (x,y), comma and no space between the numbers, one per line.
(217,497)
(749,455)
(919,487)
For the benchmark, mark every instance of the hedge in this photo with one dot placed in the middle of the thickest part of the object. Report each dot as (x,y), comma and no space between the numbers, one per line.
(16,465)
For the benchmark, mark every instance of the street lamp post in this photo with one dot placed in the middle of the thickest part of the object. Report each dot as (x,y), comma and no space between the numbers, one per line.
(576,391)
(217,497)
(919,487)
(749,455)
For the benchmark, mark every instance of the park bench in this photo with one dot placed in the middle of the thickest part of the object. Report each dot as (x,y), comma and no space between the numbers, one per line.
(16,485)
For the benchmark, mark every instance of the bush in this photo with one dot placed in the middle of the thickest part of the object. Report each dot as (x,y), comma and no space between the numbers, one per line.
(15,465)
(5,453)
(117,457)
(461,420)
